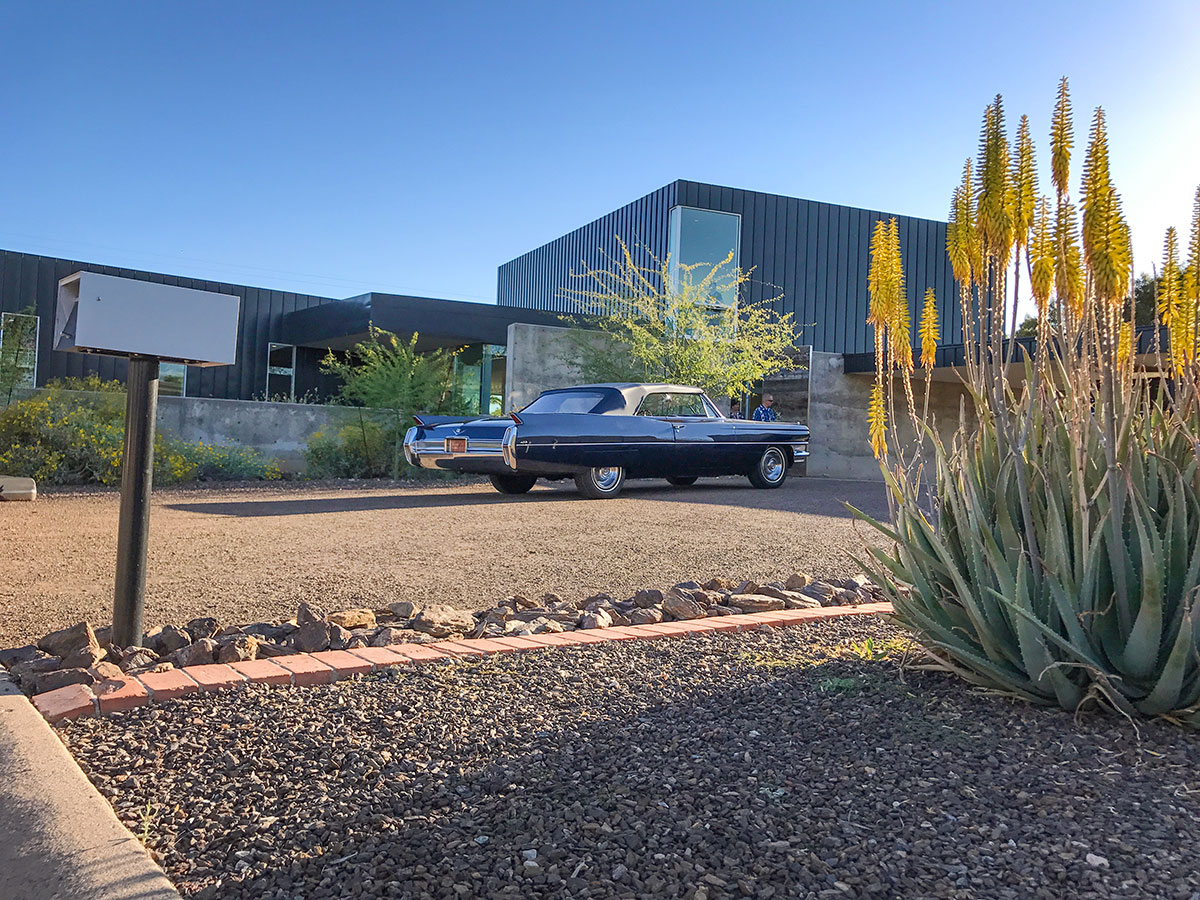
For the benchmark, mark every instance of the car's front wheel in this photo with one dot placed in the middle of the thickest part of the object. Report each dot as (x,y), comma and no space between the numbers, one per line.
(600,482)
(771,469)
(513,484)
(682,482)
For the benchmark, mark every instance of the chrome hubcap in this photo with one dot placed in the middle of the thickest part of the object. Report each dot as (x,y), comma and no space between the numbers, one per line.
(606,477)
(773,465)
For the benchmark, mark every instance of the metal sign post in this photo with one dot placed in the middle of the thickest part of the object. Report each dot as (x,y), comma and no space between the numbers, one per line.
(137,478)
(149,323)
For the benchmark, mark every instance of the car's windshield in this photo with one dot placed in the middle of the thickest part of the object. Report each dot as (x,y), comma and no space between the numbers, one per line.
(566,402)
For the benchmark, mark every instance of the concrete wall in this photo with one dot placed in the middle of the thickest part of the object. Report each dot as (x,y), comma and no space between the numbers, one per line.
(540,357)
(277,430)
(840,445)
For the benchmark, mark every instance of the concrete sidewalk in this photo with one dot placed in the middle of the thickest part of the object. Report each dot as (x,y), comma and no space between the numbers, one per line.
(59,839)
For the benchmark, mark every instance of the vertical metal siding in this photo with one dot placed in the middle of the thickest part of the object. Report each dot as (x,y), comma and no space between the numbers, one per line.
(816,253)
(30,280)
(537,279)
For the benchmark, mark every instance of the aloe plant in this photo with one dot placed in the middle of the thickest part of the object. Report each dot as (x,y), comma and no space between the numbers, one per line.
(1057,557)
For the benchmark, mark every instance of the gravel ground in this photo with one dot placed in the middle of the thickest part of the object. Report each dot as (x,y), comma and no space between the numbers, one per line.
(760,765)
(253,553)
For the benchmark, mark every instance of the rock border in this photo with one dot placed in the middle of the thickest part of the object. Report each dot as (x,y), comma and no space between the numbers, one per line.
(327,666)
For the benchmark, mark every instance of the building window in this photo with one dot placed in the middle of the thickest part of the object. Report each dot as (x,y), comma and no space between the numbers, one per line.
(281,372)
(172,380)
(704,238)
(18,352)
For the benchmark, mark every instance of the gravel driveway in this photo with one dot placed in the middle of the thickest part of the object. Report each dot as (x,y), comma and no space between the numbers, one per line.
(764,765)
(254,553)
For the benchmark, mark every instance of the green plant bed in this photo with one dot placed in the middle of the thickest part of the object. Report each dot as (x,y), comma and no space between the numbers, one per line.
(72,433)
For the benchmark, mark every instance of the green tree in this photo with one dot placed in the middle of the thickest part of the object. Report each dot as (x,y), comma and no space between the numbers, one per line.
(18,332)
(665,322)
(388,374)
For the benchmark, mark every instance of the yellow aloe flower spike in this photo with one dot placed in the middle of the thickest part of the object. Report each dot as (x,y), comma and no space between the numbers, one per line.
(929,330)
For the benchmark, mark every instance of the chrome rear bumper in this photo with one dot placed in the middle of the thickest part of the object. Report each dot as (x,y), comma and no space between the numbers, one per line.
(434,450)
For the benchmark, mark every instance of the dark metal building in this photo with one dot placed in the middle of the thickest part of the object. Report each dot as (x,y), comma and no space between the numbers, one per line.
(814,254)
(282,336)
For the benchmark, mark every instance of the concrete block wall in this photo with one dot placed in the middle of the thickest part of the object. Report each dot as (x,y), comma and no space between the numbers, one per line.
(840,444)
(277,430)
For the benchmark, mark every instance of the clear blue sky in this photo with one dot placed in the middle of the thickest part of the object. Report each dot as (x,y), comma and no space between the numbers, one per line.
(333,148)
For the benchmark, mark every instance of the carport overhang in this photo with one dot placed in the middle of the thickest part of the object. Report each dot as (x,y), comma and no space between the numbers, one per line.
(340,324)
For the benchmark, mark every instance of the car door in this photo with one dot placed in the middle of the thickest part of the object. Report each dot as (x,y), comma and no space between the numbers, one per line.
(699,445)
(705,441)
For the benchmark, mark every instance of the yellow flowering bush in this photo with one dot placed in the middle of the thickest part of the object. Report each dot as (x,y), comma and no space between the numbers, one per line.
(73,433)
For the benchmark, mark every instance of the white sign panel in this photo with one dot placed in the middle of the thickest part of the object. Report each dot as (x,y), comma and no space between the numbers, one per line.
(125,317)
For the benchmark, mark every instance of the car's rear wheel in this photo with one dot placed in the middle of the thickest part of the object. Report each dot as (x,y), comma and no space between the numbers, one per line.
(513,484)
(771,470)
(682,482)
(600,482)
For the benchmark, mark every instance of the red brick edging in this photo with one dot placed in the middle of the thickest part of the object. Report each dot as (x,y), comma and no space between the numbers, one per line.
(328,666)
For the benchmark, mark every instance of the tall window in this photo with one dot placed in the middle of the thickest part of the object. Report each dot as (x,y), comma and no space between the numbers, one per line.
(172,380)
(281,372)
(18,352)
(704,237)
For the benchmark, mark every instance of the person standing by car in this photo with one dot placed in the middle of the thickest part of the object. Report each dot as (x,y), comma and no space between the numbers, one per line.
(735,409)
(766,410)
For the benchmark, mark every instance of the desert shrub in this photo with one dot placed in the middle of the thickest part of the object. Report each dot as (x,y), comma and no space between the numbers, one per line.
(359,450)
(72,433)
(1058,558)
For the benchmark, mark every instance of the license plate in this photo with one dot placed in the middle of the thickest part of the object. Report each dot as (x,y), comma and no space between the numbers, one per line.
(456,445)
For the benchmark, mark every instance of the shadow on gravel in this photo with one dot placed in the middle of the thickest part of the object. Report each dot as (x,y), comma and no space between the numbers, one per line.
(811,496)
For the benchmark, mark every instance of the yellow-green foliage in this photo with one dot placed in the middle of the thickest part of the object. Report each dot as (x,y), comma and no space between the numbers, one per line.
(1058,558)
(72,433)
(359,450)
(665,326)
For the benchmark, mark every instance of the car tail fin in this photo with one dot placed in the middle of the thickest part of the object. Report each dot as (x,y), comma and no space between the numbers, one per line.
(417,419)
(515,417)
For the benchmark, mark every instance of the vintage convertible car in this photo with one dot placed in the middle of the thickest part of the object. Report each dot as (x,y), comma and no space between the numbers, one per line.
(601,434)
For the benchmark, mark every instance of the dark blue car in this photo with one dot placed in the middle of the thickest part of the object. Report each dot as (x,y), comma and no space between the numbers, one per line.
(601,434)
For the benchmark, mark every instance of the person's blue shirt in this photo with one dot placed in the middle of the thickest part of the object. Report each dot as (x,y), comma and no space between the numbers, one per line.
(765,414)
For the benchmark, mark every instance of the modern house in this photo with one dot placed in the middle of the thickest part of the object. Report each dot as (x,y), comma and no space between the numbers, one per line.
(808,258)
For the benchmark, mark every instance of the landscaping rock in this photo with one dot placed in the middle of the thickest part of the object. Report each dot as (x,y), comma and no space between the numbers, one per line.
(14,655)
(441,621)
(600,618)
(166,639)
(312,637)
(27,672)
(305,614)
(798,581)
(754,603)
(268,649)
(650,615)
(716,584)
(678,604)
(277,633)
(137,657)
(387,635)
(403,609)
(240,649)
(746,587)
(821,590)
(66,641)
(204,627)
(200,653)
(353,618)
(53,680)
(105,670)
(339,637)
(647,598)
